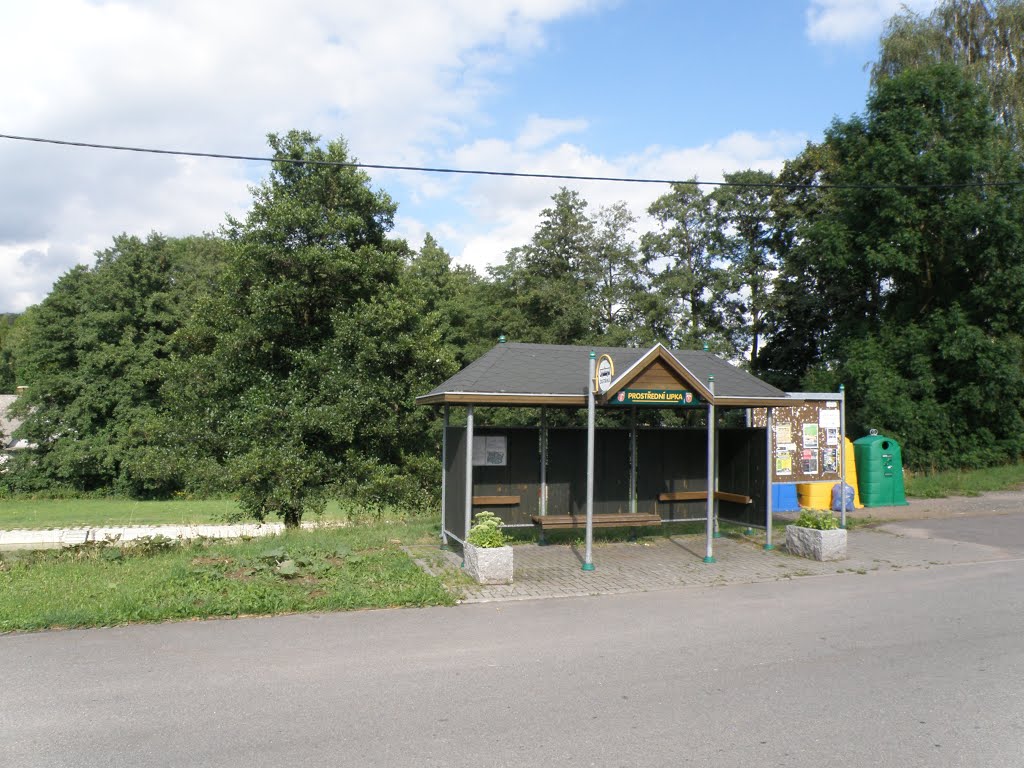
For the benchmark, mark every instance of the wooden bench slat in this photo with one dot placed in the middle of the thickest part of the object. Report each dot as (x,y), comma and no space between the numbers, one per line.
(495,501)
(683,496)
(599,521)
(736,498)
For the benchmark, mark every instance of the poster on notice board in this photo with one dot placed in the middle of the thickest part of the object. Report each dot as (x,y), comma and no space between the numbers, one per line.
(490,450)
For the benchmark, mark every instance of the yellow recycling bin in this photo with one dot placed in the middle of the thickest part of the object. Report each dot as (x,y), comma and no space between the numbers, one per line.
(819,495)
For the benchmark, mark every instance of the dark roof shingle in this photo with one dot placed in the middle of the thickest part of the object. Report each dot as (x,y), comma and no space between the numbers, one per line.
(562,370)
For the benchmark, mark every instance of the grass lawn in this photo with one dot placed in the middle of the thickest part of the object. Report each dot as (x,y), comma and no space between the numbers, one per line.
(72,513)
(970,482)
(327,569)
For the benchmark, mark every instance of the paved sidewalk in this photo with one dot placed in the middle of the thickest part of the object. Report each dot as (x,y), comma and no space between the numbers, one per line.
(655,564)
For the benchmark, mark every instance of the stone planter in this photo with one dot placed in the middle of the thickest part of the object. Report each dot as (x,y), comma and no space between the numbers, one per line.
(815,544)
(491,565)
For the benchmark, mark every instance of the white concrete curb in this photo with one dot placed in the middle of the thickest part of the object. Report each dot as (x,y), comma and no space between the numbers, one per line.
(69,537)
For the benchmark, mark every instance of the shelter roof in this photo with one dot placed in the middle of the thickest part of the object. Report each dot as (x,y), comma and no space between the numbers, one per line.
(552,374)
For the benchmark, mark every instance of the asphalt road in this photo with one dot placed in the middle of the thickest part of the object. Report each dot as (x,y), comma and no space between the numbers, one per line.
(901,668)
(1005,531)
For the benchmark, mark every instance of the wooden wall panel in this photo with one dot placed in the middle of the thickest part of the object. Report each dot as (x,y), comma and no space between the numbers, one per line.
(658,376)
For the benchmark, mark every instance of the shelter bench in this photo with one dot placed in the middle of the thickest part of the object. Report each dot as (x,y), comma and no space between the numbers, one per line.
(495,501)
(627,520)
(736,498)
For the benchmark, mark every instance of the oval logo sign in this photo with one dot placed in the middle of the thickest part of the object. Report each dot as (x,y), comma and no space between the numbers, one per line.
(605,372)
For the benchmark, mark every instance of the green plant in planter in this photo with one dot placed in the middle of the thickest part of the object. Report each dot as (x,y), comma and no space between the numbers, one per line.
(818,519)
(486,532)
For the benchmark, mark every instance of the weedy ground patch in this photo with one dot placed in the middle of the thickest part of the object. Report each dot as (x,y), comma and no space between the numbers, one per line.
(967,482)
(327,569)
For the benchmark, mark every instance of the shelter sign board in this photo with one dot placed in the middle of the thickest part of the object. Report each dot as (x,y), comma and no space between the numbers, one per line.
(675,398)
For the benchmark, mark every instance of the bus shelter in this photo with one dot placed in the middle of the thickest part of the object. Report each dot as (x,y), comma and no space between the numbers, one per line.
(546,476)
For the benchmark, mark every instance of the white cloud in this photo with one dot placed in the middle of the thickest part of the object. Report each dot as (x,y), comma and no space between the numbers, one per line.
(398,78)
(539,131)
(849,21)
(506,211)
(404,81)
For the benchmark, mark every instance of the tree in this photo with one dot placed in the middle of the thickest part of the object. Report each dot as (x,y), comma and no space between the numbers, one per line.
(299,371)
(811,292)
(8,340)
(744,239)
(622,278)
(547,286)
(93,354)
(915,240)
(692,290)
(985,38)
(454,302)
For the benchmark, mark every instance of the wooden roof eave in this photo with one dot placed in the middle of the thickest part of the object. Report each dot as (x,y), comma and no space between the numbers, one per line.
(755,402)
(512,399)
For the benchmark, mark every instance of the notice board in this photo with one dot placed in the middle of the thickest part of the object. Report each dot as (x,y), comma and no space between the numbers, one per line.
(805,441)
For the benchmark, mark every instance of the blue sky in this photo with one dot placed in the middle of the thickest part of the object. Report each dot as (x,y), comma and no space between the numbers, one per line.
(667,73)
(641,88)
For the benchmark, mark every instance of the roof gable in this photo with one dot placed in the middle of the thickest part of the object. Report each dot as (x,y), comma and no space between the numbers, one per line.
(657,369)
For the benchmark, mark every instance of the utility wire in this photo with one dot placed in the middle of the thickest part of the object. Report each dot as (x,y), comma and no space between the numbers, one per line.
(513,174)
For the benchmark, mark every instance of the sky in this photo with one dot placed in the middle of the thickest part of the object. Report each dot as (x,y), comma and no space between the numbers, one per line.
(636,88)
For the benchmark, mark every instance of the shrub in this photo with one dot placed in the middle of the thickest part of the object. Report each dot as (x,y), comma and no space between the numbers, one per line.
(371,482)
(486,531)
(818,519)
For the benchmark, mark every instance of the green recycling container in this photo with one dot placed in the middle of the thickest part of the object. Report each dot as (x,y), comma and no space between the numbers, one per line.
(879,471)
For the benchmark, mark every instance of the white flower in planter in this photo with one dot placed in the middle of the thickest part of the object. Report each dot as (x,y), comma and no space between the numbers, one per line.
(487,554)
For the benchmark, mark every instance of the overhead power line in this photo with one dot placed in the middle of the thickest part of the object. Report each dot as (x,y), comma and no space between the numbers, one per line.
(512,174)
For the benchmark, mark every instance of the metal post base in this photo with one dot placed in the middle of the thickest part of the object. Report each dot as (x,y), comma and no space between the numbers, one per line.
(709,560)
(716,535)
(769,546)
(588,566)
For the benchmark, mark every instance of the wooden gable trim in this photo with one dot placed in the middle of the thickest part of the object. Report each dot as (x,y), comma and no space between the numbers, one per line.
(661,356)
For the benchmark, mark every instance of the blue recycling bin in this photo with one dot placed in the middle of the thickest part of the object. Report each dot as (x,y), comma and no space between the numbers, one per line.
(784,498)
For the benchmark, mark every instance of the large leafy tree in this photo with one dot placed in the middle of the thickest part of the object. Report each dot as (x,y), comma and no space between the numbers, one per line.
(622,279)
(547,286)
(299,371)
(454,301)
(985,38)
(914,237)
(8,337)
(93,356)
(744,241)
(692,289)
(812,291)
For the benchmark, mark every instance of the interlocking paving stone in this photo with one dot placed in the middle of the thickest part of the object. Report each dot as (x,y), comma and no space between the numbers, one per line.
(665,563)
